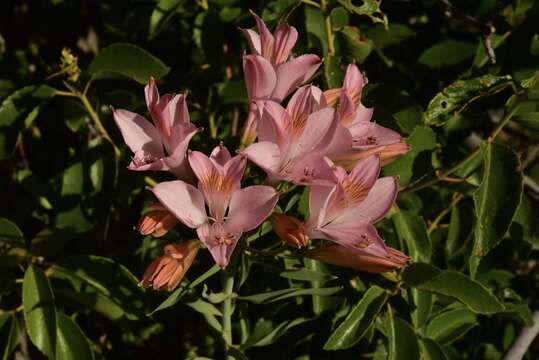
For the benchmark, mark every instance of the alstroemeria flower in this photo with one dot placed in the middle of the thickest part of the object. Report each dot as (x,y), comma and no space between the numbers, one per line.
(231,210)
(364,136)
(360,259)
(346,212)
(156,222)
(292,141)
(269,71)
(163,146)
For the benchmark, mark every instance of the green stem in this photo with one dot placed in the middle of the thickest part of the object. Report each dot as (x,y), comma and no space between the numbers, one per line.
(329,28)
(95,117)
(228,287)
(441,175)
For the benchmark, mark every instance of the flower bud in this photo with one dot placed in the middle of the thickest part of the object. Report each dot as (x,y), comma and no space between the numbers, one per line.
(156,222)
(167,271)
(360,259)
(387,154)
(290,230)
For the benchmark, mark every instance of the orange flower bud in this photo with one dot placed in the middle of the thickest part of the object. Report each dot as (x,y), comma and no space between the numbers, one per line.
(167,271)
(156,222)
(290,230)
(360,259)
(387,154)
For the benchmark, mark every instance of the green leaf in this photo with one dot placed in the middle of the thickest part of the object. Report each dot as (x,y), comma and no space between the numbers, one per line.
(277,295)
(451,325)
(431,350)
(307,275)
(525,224)
(453,284)
(233,91)
(9,334)
(39,310)
(18,111)
(423,305)
(370,8)
(394,34)
(411,229)
(421,139)
(10,232)
(265,333)
(161,15)
(333,73)
(127,60)
(177,294)
(462,92)
(497,198)
(403,342)
(50,241)
(108,278)
(316,29)
(358,321)
(447,53)
(71,343)
(352,46)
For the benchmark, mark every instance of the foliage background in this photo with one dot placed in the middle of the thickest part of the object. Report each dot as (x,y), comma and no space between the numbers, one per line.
(69,204)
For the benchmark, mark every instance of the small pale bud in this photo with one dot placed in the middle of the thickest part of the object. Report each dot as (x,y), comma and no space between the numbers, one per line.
(167,271)
(290,230)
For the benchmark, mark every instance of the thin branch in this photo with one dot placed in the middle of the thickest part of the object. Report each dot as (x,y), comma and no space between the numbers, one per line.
(524,340)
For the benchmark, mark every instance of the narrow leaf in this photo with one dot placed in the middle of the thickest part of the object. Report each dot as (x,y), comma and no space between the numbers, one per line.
(71,343)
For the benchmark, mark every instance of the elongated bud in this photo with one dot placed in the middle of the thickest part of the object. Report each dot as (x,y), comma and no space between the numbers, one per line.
(290,230)
(167,271)
(156,222)
(387,154)
(360,259)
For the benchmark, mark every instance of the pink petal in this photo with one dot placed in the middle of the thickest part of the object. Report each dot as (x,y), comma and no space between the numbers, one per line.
(151,94)
(363,113)
(363,177)
(234,169)
(318,133)
(354,81)
(380,199)
(306,100)
(266,38)
(260,77)
(266,155)
(204,169)
(220,241)
(144,161)
(182,133)
(357,235)
(369,134)
(138,133)
(310,169)
(183,200)
(285,39)
(317,198)
(270,125)
(341,144)
(220,155)
(254,41)
(250,206)
(293,73)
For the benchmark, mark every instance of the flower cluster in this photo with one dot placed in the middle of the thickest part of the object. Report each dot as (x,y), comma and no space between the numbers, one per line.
(325,140)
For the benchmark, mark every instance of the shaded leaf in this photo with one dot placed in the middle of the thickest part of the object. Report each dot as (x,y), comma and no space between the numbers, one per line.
(358,321)
(265,333)
(127,60)
(9,334)
(450,325)
(461,92)
(39,310)
(412,230)
(10,232)
(447,53)
(370,8)
(277,295)
(352,46)
(403,343)
(71,343)
(431,350)
(453,284)
(497,198)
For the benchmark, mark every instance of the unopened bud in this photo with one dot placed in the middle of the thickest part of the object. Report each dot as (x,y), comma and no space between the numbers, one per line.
(290,230)
(360,259)
(167,271)
(156,222)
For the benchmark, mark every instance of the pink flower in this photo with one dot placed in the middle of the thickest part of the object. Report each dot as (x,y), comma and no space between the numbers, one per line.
(231,210)
(362,137)
(167,271)
(360,259)
(270,73)
(163,146)
(156,222)
(290,230)
(292,141)
(346,212)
